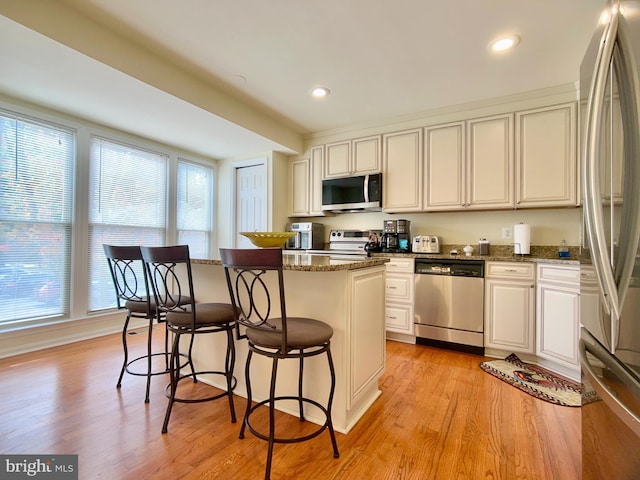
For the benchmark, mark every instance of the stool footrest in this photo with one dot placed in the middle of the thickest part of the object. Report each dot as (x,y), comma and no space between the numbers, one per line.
(224,393)
(309,436)
(144,357)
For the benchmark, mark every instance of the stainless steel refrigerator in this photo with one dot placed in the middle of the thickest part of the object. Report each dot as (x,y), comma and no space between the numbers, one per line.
(610,272)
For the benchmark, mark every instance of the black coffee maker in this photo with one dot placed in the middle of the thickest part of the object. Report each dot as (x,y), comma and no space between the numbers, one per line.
(396,236)
(403,231)
(389,236)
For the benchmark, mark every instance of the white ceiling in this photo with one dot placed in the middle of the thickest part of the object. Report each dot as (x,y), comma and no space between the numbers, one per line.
(381,60)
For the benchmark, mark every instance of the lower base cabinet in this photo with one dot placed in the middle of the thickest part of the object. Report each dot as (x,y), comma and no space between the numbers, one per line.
(399,287)
(510,307)
(558,318)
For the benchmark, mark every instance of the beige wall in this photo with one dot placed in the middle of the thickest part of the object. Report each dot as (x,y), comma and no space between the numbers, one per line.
(548,227)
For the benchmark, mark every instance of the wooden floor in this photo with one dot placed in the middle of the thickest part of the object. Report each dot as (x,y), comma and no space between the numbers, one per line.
(439,417)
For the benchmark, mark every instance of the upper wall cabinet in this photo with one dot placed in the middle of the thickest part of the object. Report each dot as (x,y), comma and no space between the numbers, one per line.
(353,157)
(306,185)
(402,171)
(490,162)
(469,164)
(546,161)
(445,161)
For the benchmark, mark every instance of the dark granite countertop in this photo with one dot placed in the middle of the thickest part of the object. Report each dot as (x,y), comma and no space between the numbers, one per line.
(497,253)
(316,263)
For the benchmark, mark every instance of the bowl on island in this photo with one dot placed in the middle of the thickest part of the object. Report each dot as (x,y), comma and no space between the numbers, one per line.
(268,239)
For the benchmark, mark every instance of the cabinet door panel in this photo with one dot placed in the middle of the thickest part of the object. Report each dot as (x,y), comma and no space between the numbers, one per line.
(398,287)
(315,181)
(490,162)
(546,156)
(510,314)
(300,188)
(366,155)
(402,177)
(558,320)
(338,159)
(445,159)
(398,318)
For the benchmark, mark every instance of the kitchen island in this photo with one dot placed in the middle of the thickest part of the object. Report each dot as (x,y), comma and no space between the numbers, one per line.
(347,294)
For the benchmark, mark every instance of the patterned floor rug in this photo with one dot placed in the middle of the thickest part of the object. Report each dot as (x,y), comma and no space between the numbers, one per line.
(539,382)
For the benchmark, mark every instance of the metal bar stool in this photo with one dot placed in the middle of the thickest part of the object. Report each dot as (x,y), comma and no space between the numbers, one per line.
(169,273)
(278,338)
(132,293)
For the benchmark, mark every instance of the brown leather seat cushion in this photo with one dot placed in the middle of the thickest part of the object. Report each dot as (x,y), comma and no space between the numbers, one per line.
(301,332)
(207,314)
(141,306)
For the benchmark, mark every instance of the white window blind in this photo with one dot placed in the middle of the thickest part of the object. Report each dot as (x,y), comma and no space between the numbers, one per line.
(194,210)
(36,193)
(127,206)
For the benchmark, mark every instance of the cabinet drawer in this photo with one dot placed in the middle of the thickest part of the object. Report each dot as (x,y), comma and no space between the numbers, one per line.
(399,318)
(404,265)
(524,271)
(399,287)
(559,274)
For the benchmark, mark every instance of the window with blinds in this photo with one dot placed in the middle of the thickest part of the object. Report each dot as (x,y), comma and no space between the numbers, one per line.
(36,199)
(194,210)
(127,206)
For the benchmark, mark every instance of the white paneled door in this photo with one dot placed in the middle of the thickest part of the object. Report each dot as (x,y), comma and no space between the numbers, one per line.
(251,202)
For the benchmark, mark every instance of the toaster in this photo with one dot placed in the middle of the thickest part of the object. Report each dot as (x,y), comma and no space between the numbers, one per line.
(426,244)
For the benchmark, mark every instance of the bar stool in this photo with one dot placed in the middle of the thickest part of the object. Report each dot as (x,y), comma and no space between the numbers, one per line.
(169,273)
(131,285)
(279,338)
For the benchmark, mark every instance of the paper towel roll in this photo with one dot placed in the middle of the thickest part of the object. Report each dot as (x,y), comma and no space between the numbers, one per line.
(521,239)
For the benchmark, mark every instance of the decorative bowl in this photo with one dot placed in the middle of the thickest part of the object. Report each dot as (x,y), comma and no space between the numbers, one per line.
(268,239)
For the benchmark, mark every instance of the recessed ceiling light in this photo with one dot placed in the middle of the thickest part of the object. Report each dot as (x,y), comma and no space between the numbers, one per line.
(320,92)
(504,43)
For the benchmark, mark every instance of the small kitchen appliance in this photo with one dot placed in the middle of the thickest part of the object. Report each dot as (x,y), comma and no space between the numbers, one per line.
(351,242)
(362,193)
(396,236)
(308,236)
(426,244)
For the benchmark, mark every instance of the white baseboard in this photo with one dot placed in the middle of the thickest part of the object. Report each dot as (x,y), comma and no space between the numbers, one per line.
(18,341)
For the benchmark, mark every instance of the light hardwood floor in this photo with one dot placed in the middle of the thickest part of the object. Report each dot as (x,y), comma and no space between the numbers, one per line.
(439,417)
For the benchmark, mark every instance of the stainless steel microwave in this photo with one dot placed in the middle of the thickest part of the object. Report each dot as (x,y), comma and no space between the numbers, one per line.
(349,194)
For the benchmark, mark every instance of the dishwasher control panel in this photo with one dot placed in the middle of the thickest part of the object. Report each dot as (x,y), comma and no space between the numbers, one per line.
(456,268)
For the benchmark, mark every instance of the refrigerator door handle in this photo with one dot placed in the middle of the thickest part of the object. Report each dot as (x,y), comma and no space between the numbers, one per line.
(593,194)
(588,344)
(629,94)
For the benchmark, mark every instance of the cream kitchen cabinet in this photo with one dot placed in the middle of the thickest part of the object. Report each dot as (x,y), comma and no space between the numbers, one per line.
(546,160)
(402,171)
(510,307)
(490,162)
(306,185)
(558,318)
(399,295)
(353,157)
(445,162)
(469,165)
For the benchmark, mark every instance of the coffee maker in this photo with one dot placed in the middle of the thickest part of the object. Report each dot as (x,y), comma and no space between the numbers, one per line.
(403,230)
(396,236)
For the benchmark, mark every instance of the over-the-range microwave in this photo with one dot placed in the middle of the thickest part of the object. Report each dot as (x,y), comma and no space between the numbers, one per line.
(349,194)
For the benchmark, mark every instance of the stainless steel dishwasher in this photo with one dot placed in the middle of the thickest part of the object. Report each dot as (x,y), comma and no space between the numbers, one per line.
(449,303)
